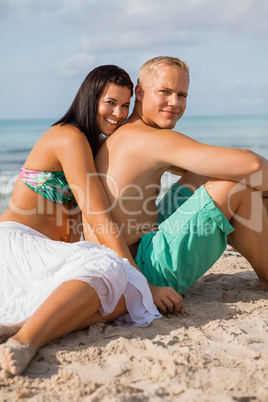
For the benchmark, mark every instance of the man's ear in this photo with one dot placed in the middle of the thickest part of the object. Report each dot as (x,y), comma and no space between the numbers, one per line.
(139,92)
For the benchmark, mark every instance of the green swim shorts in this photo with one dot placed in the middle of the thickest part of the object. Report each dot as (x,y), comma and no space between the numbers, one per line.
(192,236)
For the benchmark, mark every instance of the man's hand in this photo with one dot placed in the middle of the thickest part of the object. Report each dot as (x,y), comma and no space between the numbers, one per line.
(167,299)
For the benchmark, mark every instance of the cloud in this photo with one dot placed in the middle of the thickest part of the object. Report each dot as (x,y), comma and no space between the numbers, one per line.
(3,9)
(19,10)
(249,16)
(135,40)
(139,24)
(76,65)
(100,47)
(224,41)
(232,83)
(251,101)
(153,26)
(203,16)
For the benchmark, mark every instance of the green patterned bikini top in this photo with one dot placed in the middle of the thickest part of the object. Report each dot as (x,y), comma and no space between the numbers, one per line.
(51,185)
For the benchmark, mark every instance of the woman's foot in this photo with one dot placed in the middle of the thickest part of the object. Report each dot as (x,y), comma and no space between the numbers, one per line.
(7,330)
(14,358)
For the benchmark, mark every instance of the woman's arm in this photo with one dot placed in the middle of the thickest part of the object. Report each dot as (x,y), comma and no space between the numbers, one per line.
(74,153)
(75,156)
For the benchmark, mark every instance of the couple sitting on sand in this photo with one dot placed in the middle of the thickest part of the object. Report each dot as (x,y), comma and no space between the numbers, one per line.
(52,283)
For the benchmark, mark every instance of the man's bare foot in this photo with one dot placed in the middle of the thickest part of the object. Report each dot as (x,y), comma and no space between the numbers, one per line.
(7,330)
(14,358)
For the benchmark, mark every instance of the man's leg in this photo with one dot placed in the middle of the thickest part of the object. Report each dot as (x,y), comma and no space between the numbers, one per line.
(191,237)
(245,210)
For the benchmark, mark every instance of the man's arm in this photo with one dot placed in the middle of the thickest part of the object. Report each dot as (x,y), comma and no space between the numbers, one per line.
(175,149)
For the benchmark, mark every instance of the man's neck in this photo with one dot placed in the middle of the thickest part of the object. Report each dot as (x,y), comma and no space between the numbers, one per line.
(137,115)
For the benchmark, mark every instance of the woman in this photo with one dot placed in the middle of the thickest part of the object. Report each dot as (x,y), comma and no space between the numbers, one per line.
(50,287)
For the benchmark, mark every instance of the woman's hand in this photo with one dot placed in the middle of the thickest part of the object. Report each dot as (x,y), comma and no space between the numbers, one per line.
(167,299)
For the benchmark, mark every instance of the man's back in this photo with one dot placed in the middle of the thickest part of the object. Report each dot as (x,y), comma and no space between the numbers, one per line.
(131,173)
(193,228)
(136,156)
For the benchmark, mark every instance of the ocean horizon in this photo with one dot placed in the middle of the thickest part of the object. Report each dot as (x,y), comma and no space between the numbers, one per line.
(18,136)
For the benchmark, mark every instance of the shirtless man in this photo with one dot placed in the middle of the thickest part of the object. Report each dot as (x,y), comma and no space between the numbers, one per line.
(219,193)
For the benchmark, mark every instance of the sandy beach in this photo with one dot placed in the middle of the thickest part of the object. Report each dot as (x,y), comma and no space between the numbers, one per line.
(216,351)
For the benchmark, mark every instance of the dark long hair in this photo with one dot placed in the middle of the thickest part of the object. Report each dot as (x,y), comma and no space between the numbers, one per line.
(83,111)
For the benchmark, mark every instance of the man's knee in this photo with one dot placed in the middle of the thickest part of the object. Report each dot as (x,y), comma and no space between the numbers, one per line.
(235,200)
(228,195)
(223,188)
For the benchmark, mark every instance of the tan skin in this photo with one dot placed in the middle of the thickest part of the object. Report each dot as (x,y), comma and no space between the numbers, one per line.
(65,148)
(143,170)
(30,208)
(158,107)
(147,147)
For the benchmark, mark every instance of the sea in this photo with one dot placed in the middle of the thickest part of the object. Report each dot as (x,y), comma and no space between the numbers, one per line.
(17,137)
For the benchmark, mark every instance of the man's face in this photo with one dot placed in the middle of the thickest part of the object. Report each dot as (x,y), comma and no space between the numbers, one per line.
(164,101)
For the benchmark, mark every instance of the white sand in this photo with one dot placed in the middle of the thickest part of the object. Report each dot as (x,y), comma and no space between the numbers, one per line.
(216,351)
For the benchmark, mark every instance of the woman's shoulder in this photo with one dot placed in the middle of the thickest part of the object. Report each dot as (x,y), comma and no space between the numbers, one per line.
(57,141)
(64,135)
(64,130)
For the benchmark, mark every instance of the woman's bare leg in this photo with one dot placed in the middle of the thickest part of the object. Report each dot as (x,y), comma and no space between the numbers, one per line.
(74,305)
(8,330)
(66,309)
(120,310)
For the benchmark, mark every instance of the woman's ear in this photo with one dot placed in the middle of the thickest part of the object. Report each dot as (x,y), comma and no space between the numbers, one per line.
(139,92)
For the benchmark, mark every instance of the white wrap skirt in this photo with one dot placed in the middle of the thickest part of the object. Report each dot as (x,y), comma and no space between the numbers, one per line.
(32,266)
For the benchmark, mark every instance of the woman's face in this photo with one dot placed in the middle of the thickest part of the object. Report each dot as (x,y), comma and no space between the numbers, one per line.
(113,108)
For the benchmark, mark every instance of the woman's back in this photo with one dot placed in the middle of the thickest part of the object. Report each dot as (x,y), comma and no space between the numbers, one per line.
(60,172)
(31,204)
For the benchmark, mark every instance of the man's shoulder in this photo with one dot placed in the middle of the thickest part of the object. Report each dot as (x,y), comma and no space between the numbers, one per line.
(139,129)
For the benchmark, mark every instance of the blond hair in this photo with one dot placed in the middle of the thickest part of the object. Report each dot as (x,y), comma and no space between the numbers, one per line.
(149,69)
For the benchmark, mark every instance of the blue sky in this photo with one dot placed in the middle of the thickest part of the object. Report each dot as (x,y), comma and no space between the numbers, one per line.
(49,46)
